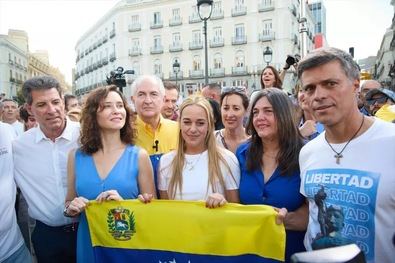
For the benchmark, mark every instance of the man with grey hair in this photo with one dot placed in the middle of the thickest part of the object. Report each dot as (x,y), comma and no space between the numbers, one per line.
(212,91)
(367,86)
(10,114)
(155,134)
(40,158)
(331,163)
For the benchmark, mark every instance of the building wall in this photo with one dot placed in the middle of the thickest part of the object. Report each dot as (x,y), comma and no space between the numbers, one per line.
(99,50)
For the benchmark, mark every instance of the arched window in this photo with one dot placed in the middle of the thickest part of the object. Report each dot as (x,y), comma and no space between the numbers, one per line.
(157,67)
(196,63)
(239,58)
(217,60)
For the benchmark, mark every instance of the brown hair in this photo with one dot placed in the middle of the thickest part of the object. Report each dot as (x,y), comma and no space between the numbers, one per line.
(90,138)
(277,81)
(289,139)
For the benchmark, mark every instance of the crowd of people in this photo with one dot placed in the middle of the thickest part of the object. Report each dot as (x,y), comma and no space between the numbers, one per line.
(324,159)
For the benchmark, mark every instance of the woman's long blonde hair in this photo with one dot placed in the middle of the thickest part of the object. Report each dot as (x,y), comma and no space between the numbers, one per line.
(215,157)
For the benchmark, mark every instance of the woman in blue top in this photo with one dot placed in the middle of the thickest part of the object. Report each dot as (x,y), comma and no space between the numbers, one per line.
(107,166)
(269,163)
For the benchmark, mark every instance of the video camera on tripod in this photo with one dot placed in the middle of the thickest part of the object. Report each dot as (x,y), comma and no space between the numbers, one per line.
(117,77)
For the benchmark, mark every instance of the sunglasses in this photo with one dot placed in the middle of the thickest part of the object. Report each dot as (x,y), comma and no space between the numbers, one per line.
(378,100)
(233,89)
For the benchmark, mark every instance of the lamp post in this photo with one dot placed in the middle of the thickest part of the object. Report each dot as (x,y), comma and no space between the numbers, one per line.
(176,68)
(204,10)
(267,55)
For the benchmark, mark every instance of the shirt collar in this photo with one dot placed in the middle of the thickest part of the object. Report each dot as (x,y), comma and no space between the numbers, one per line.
(66,134)
(146,126)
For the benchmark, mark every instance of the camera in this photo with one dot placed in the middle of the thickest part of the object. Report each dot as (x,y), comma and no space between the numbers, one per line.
(291,60)
(117,77)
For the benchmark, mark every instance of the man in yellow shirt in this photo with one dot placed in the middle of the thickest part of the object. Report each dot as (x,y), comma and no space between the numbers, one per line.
(155,134)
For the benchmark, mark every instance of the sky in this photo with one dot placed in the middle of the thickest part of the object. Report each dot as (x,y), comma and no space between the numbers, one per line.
(56,25)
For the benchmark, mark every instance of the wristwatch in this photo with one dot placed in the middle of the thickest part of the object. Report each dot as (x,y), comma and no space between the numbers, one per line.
(65,213)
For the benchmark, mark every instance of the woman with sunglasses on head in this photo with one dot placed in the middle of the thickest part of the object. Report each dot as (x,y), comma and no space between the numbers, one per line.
(269,164)
(199,169)
(234,105)
(107,166)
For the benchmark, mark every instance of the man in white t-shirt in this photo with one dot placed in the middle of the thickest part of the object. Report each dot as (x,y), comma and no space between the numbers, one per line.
(10,115)
(347,171)
(12,246)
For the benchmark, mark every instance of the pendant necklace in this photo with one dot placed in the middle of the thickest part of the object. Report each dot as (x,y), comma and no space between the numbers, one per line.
(339,155)
(192,164)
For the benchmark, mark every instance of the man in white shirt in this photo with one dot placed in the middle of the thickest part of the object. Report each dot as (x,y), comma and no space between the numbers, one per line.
(40,158)
(347,172)
(10,115)
(12,246)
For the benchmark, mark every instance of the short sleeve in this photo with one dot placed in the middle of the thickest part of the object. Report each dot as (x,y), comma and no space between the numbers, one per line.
(232,180)
(164,174)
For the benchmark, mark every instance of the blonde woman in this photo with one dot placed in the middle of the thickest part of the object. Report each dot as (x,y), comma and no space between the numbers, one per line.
(199,169)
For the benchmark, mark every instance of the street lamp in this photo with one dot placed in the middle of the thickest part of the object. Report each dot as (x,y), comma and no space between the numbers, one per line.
(204,10)
(267,55)
(176,68)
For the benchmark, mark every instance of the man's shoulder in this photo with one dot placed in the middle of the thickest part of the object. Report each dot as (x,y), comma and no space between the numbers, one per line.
(27,137)
(169,124)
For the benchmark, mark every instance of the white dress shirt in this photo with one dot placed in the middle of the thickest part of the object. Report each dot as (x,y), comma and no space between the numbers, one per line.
(41,172)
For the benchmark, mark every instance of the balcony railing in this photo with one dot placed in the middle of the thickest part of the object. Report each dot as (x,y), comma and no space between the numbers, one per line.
(105,38)
(196,74)
(112,57)
(11,62)
(217,72)
(134,27)
(194,18)
(195,45)
(266,36)
(266,5)
(175,47)
(112,33)
(217,42)
(135,51)
(239,71)
(12,80)
(175,21)
(104,61)
(239,10)
(156,24)
(172,75)
(157,49)
(239,40)
(217,14)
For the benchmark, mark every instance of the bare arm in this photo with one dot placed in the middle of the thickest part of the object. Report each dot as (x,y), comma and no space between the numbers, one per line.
(146,175)
(298,219)
(163,195)
(71,194)
(232,196)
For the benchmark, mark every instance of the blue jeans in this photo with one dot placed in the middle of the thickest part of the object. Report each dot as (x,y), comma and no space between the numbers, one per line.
(22,255)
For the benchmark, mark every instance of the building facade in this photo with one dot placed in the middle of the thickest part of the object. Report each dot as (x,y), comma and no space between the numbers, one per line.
(13,62)
(148,36)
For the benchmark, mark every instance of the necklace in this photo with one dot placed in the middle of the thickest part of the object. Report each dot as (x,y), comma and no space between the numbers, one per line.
(339,155)
(192,164)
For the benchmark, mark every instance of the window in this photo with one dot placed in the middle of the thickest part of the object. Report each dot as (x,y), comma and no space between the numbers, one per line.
(217,6)
(239,58)
(239,2)
(176,13)
(218,60)
(217,34)
(176,39)
(239,31)
(196,36)
(267,27)
(135,42)
(157,42)
(135,19)
(157,18)
(10,74)
(157,67)
(196,63)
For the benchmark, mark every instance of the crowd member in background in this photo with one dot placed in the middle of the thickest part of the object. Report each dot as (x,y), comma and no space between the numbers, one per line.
(155,134)
(28,120)
(107,166)
(199,169)
(378,97)
(234,105)
(72,107)
(366,86)
(331,164)
(10,115)
(216,109)
(270,78)
(170,108)
(40,160)
(212,91)
(269,165)
(12,246)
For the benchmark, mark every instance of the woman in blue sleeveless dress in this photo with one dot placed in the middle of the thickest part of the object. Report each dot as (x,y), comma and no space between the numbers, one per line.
(107,166)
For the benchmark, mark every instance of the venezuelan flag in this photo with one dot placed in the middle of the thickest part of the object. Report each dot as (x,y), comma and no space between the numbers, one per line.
(184,232)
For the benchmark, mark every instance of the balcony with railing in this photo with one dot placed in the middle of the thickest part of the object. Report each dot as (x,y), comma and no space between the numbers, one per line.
(239,10)
(172,75)
(175,47)
(112,57)
(266,35)
(134,27)
(239,40)
(217,14)
(217,72)
(175,21)
(195,45)
(217,42)
(10,62)
(265,6)
(104,40)
(104,61)
(156,24)
(112,33)
(196,74)
(239,71)
(194,18)
(135,51)
(156,49)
